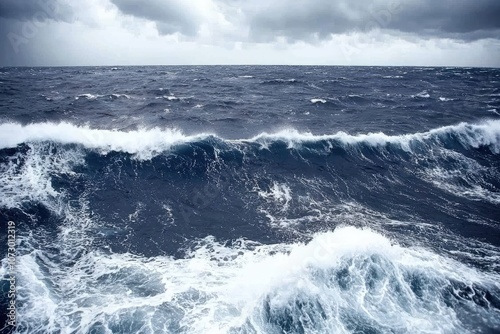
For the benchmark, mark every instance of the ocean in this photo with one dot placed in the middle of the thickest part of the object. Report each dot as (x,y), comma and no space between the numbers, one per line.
(251,199)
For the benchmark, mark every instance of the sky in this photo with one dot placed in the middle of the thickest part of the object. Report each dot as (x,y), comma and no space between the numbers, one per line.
(288,32)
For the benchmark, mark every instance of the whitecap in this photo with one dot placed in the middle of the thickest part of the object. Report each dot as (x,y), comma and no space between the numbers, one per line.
(87,96)
(423,94)
(147,142)
(444,99)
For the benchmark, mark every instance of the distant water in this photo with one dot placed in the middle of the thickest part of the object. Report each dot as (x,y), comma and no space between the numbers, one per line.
(252,199)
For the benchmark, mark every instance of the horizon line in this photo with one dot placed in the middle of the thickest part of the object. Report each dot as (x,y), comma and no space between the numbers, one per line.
(253,65)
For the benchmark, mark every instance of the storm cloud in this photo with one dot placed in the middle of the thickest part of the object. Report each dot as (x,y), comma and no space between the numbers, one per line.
(172,16)
(306,19)
(250,31)
(297,20)
(303,20)
(35,10)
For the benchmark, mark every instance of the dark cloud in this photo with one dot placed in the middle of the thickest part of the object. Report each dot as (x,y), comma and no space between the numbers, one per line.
(170,16)
(28,26)
(22,23)
(35,10)
(306,19)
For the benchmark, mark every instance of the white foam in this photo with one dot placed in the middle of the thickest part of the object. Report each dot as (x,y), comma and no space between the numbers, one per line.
(87,96)
(463,177)
(474,135)
(282,80)
(92,97)
(120,95)
(41,301)
(144,143)
(168,97)
(444,99)
(423,94)
(338,280)
(31,180)
(279,193)
(318,101)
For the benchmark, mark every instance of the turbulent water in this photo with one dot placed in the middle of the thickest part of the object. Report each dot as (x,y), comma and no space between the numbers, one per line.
(252,199)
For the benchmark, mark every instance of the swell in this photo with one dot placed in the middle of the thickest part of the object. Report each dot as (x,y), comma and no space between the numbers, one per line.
(39,161)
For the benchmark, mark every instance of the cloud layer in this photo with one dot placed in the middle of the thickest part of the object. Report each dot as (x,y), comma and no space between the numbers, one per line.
(306,19)
(36,10)
(170,16)
(261,20)
(342,29)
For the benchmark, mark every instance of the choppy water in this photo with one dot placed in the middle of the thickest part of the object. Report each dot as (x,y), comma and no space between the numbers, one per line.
(252,199)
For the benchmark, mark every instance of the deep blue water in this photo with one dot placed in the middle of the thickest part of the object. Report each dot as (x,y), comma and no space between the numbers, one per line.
(252,199)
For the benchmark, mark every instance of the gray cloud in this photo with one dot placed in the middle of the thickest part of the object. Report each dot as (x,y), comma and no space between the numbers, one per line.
(306,19)
(22,23)
(28,27)
(170,16)
(35,10)
(311,20)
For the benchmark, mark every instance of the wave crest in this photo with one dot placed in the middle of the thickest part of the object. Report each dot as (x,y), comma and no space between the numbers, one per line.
(146,143)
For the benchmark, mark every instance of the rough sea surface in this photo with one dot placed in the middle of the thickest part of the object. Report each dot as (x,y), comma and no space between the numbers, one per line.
(252,199)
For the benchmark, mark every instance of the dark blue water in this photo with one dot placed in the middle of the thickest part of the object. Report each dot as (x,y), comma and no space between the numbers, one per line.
(252,199)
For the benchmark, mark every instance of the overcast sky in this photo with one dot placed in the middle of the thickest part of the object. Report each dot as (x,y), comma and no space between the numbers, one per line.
(330,32)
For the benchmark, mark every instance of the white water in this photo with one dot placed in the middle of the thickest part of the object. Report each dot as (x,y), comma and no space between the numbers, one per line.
(342,281)
(463,176)
(31,181)
(278,193)
(472,135)
(315,101)
(424,95)
(146,143)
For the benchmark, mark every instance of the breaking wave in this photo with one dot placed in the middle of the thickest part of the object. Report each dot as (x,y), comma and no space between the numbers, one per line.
(154,141)
(346,281)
